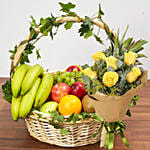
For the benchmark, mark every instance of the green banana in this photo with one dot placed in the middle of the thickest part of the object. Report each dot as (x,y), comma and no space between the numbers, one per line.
(30,78)
(28,100)
(44,90)
(18,78)
(15,107)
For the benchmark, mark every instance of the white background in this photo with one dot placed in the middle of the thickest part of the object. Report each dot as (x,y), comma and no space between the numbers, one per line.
(68,48)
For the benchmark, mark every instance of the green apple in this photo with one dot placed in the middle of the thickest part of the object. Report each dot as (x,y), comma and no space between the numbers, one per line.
(49,107)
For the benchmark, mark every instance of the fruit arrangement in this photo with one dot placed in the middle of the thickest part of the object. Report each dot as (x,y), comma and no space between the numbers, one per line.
(32,88)
(87,92)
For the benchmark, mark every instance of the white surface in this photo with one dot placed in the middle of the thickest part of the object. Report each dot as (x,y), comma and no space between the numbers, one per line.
(67,47)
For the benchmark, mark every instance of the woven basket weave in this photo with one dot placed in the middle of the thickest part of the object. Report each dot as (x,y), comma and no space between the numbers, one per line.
(80,133)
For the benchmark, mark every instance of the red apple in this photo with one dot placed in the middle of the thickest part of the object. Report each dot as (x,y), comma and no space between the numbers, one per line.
(78,89)
(60,90)
(70,69)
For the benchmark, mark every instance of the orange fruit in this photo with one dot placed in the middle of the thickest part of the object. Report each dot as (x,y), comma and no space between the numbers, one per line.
(69,104)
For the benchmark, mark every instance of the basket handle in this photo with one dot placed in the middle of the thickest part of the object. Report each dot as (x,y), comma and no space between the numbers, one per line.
(17,57)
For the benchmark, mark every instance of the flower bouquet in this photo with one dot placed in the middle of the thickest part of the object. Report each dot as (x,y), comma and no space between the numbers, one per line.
(115,81)
(80,104)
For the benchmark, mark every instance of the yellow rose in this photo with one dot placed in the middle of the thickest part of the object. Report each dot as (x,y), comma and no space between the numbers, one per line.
(130,58)
(131,77)
(99,56)
(91,74)
(111,61)
(110,78)
(137,71)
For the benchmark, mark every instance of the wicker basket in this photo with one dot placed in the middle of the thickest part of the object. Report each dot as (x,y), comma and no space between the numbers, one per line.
(80,133)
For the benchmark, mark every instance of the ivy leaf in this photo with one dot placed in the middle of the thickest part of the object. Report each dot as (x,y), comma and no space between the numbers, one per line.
(100,12)
(33,22)
(64,131)
(88,21)
(39,115)
(61,118)
(56,116)
(13,52)
(66,7)
(24,58)
(128,113)
(73,118)
(88,34)
(25,55)
(83,29)
(136,98)
(6,88)
(33,34)
(55,125)
(38,54)
(84,115)
(45,23)
(133,101)
(98,39)
(29,46)
(68,25)
(28,49)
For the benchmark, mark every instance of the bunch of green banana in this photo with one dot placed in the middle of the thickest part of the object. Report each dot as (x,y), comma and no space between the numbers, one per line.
(44,90)
(25,84)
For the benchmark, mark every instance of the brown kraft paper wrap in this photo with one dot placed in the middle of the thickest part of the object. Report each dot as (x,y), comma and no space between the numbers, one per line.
(114,108)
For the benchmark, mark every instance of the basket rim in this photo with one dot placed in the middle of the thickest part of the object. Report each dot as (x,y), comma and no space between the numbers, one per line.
(37,115)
